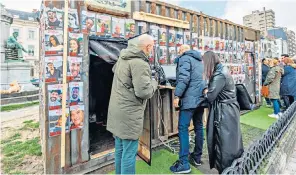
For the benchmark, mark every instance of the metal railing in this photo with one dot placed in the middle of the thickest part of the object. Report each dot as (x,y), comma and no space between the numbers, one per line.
(252,158)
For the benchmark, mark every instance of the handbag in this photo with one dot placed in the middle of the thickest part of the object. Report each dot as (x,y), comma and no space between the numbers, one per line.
(265,91)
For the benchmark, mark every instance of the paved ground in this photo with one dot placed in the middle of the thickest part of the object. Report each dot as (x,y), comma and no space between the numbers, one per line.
(291,167)
(15,114)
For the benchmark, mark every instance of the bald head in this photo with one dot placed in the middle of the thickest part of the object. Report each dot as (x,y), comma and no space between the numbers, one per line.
(184,48)
(145,43)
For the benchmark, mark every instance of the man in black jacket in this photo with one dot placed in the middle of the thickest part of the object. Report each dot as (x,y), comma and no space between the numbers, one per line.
(190,85)
(265,70)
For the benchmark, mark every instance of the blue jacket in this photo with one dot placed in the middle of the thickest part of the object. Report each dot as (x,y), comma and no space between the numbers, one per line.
(190,83)
(265,70)
(288,84)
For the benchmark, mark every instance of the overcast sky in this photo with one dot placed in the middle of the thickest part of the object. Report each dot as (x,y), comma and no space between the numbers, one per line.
(285,10)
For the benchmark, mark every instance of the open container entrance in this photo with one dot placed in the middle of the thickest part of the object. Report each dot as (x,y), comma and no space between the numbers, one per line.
(103,53)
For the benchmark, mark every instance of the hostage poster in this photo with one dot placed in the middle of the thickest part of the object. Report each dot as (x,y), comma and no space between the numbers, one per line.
(55,94)
(76,116)
(76,93)
(53,42)
(88,22)
(55,122)
(53,69)
(73,21)
(74,68)
(75,44)
(103,23)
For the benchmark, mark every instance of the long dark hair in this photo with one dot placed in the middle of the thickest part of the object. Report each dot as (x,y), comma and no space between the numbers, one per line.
(56,40)
(77,42)
(210,60)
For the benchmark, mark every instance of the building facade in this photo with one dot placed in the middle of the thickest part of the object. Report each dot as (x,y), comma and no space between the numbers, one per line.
(277,32)
(291,43)
(260,20)
(27,26)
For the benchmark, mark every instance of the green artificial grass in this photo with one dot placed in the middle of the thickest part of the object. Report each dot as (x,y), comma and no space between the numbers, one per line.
(17,106)
(258,118)
(161,162)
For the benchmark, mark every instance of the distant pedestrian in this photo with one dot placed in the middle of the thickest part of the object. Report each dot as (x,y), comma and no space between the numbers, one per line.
(265,70)
(224,136)
(273,81)
(288,83)
(132,86)
(188,93)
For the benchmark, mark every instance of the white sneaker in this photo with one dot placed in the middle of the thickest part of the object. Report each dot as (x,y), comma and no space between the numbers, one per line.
(280,114)
(273,116)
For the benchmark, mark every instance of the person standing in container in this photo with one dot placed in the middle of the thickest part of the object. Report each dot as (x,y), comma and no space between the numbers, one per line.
(223,127)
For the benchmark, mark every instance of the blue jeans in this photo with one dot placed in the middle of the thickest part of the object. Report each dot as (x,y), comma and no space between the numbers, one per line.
(276,106)
(185,117)
(125,156)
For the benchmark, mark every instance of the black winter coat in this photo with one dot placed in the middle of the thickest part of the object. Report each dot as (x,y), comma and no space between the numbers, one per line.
(190,83)
(265,70)
(224,137)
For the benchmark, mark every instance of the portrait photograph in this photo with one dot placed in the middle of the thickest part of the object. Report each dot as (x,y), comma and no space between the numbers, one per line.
(76,93)
(55,95)
(118,26)
(76,116)
(55,122)
(163,55)
(74,68)
(187,39)
(53,42)
(154,33)
(162,36)
(130,28)
(172,54)
(180,38)
(53,69)
(75,44)
(142,27)
(103,23)
(73,21)
(88,22)
(53,19)
(172,37)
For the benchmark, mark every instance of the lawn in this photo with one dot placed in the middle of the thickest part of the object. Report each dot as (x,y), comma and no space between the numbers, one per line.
(253,125)
(17,106)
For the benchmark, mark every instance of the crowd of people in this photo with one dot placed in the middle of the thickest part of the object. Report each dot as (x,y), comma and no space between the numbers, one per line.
(200,80)
(279,76)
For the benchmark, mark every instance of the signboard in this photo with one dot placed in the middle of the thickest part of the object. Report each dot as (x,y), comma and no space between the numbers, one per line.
(114,5)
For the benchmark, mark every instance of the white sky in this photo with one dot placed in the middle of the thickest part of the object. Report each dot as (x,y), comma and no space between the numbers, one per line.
(22,5)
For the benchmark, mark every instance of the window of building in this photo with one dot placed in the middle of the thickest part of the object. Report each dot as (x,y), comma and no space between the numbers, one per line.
(183,16)
(31,50)
(167,12)
(148,7)
(31,34)
(158,9)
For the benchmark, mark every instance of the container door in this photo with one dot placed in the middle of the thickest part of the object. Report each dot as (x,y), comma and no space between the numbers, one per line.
(144,148)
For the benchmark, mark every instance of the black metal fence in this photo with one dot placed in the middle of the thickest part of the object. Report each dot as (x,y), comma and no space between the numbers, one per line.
(252,158)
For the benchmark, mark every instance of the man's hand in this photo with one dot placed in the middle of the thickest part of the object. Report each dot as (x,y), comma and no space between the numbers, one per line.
(205,91)
(176,102)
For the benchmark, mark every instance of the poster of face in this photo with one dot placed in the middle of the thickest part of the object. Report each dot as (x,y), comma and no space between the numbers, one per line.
(142,27)
(88,22)
(73,21)
(250,72)
(226,46)
(212,44)
(241,78)
(187,37)
(130,28)
(75,44)
(163,55)
(53,42)
(53,18)
(53,68)
(234,46)
(154,33)
(200,43)
(76,116)
(249,46)
(226,57)
(222,57)
(195,40)
(55,92)
(238,47)
(117,27)
(242,47)
(76,93)
(230,56)
(172,54)
(207,43)
(74,67)
(163,36)
(222,45)
(55,122)
(230,46)
(103,23)
(180,38)
(217,44)
(172,37)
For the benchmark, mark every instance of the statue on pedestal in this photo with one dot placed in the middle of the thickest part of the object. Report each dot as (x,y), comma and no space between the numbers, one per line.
(14,50)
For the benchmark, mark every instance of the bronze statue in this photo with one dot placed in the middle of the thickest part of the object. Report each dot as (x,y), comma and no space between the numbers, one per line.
(14,50)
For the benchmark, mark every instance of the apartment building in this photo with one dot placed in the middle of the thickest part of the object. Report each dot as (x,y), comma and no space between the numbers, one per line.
(260,20)
(291,43)
(27,26)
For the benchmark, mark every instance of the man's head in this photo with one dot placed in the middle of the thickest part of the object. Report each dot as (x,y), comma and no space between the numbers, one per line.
(50,66)
(15,34)
(183,49)
(117,29)
(75,69)
(75,93)
(265,61)
(51,15)
(54,95)
(89,23)
(145,43)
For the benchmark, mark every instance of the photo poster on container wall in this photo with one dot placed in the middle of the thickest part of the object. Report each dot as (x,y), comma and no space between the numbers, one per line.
(55,94)
(180,37)
(217,44)
(75,45)
(88,22)
(76,93)
(118,27)
(74,68)
(73,21)
(163,36)
(172,37)
(53,42)
(53,18)
(142,27)
(130,28)
(103,23)
(55,122)
(187,39)
(53,69)
(162,55)
(172,55)
(154,32)
(194,41)
(76,116)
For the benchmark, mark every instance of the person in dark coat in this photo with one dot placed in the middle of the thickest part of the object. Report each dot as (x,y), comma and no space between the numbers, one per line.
(224,136)
(188,92)
(288,83)
(265,69)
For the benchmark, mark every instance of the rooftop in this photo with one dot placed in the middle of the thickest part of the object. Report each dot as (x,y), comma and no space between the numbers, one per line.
(26,16)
